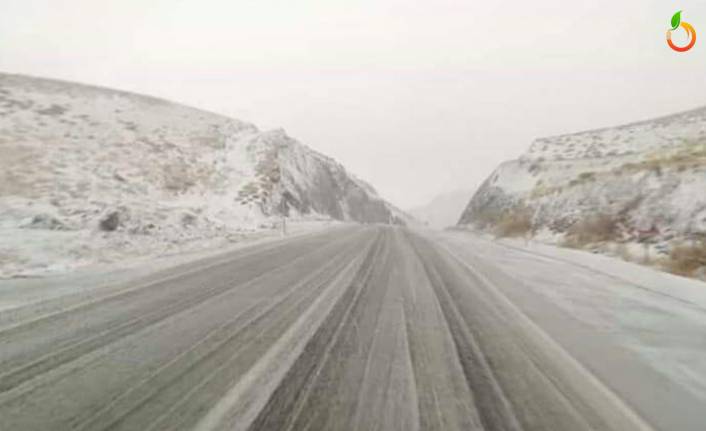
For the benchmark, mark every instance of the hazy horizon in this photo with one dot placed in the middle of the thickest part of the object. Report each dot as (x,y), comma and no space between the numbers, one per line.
(417,100)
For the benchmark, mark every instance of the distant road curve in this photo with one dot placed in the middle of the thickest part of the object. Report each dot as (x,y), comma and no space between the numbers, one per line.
(355,328)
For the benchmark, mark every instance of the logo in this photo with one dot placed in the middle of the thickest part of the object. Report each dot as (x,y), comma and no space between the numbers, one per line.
(676,23)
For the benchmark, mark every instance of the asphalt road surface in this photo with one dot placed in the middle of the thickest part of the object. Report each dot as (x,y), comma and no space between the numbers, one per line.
(356,328)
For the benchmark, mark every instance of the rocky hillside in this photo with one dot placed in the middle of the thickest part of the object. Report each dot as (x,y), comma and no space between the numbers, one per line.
(77,158)
(642,182)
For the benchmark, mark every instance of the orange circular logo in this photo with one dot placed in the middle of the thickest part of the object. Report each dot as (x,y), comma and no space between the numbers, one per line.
(676,23)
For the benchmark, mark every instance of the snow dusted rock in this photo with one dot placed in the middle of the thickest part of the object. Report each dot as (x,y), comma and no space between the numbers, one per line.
(110,222)
(77,154)
(648,177)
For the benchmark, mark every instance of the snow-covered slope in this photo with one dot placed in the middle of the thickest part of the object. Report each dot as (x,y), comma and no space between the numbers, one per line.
(644,180)
(122,167)
(444,210)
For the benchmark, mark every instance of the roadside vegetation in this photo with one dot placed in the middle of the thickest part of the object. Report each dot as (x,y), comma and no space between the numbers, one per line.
(592,229)
(687,260)
(516,223)
(606,233)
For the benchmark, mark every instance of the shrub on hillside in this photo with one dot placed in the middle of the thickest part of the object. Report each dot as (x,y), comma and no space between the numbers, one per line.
(515,223)
(593,229)
(687,259)
(483,218)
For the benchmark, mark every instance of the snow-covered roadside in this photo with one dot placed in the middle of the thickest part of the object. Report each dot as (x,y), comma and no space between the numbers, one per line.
(27,252)
(659,317)
(17,292)
(634,273)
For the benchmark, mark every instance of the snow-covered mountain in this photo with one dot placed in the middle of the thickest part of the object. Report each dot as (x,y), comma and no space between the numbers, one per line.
(442,211)
(644,181)
(77,158)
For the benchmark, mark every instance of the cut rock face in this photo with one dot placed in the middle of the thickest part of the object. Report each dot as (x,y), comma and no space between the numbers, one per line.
(640,179)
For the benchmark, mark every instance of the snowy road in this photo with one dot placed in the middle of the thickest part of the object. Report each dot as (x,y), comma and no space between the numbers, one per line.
(358,328)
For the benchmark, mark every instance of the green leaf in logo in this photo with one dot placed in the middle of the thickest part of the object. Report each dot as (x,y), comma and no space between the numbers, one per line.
(676,20)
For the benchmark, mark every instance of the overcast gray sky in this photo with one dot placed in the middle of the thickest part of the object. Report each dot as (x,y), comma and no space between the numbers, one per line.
(416,97)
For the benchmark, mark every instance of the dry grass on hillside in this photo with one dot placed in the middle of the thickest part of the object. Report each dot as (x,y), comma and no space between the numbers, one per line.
(517,223)
(686,260)
(593,229)
(691,155)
